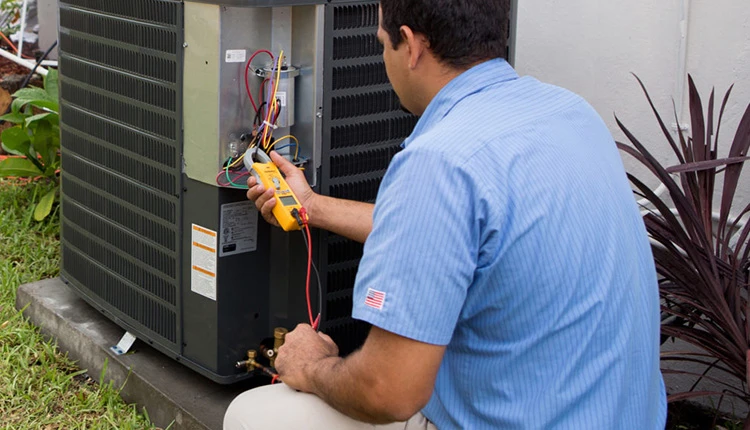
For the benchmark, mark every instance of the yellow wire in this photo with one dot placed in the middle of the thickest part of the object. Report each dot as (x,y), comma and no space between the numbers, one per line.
(235,162)
(272,106)
(288,136)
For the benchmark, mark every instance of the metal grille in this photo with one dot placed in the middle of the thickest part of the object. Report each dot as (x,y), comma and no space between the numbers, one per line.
(363,127)
(121,122)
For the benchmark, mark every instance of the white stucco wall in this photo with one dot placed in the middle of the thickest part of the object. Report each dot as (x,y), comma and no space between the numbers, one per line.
(592,46)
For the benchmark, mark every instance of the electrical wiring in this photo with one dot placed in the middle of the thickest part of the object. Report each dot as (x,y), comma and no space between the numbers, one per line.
(260,91)
(231,181)
(266,139)
(247,68)
(288,136)
(232,175)
(236,162)
(307,280)
(279,148)
(308,243)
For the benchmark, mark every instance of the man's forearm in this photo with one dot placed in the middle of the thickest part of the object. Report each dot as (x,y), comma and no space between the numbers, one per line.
(347,218)
(339,383)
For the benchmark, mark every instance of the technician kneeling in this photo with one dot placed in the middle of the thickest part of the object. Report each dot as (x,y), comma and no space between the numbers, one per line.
(506,269)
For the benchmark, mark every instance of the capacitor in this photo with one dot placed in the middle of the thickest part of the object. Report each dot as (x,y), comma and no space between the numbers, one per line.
(284,91)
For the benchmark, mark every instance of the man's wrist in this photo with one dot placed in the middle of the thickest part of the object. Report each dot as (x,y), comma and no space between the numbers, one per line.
(311,206)
(318,374)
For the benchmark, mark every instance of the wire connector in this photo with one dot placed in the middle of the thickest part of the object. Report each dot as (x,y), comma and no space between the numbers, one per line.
(297,215)
(273,126)
(303,215)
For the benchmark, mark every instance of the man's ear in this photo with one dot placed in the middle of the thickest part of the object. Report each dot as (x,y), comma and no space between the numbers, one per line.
(416,45)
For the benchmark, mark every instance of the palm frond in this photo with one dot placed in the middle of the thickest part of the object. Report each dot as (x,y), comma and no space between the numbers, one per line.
(702,258)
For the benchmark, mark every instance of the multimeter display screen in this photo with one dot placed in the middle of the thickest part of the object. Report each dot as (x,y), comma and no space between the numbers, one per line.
(288,201)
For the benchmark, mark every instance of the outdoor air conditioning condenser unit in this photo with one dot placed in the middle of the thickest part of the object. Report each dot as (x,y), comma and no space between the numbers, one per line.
(153,102)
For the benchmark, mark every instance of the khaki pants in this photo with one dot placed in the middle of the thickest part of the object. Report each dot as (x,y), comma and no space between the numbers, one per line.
(279,407)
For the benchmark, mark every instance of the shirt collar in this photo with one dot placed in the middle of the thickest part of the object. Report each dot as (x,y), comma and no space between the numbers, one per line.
(471,81)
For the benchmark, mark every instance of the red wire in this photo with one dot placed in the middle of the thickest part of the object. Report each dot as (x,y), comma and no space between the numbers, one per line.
(260,91)
(314,323)
(303,213)
(247,68)
(274,379)
(221,174)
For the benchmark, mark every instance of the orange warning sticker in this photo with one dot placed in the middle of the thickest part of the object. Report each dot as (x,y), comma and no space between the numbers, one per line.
(203,262)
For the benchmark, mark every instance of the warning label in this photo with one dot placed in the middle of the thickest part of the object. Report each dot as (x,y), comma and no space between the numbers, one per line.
(281,96)
(235,56)
(203,262)
(239,228)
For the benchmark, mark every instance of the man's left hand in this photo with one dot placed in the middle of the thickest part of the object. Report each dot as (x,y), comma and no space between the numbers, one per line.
(303,348)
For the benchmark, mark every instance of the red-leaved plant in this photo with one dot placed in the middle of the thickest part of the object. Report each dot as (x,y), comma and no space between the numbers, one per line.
(701,256)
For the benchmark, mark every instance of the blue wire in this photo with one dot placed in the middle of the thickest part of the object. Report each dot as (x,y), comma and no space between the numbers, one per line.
(285,146)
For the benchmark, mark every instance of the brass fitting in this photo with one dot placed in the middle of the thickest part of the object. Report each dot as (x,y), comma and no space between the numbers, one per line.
(279,334)
(250,363)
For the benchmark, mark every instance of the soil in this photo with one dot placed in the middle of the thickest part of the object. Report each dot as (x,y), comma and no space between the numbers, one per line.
(7,67)
(691,416)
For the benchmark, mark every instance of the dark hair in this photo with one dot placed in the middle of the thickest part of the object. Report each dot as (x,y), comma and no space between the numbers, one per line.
(460,32)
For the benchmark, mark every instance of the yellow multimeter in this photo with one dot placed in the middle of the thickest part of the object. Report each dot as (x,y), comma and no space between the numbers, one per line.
(266,173)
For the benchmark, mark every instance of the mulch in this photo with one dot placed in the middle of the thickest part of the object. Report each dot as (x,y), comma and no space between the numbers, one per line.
(8,68)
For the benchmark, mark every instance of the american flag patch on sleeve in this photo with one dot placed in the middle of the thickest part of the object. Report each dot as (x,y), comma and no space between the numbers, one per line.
(375,299)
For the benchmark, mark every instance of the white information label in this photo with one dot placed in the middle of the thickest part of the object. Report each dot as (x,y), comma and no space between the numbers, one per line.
(203,262)
(235,56)
(123,346)
(239,228)
(281,96)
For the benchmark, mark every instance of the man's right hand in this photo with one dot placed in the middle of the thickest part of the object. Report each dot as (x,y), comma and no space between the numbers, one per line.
(264,198)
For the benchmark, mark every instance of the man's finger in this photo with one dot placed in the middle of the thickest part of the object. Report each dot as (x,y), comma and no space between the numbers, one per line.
(283,164)
(266,208)
(259,195)
(255,191)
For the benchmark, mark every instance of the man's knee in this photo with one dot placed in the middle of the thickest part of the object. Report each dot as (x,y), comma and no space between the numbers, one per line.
(250,410)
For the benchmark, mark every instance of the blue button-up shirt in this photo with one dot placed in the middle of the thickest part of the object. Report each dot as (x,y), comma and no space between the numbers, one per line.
(506,230)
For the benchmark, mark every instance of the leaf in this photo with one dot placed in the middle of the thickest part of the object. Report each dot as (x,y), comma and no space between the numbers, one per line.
(664,129)
(739,148)
(20,167)
(36,97)
(44,207)
(46,105)
(691,395)
(17,105)
(52,117)
(16,141)
(33,94)
(706,164)
(13,118)
(41,142)
(51,84)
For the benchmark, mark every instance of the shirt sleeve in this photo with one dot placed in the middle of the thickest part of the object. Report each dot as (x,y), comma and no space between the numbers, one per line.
(420,257)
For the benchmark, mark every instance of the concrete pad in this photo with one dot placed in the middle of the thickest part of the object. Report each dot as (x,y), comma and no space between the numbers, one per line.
(170,392)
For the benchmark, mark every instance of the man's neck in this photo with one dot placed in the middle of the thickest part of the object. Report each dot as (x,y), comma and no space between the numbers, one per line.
(437,77)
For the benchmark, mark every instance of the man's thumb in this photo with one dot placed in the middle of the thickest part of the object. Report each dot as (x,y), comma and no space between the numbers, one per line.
(283,164)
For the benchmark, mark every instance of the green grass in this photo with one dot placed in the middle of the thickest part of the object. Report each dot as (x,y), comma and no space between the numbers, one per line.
(40,388)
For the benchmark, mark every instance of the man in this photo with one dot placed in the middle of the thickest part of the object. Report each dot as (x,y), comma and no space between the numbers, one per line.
(518,286)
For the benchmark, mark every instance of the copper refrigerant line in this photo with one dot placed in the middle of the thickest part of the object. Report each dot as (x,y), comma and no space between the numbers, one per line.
(279,333)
